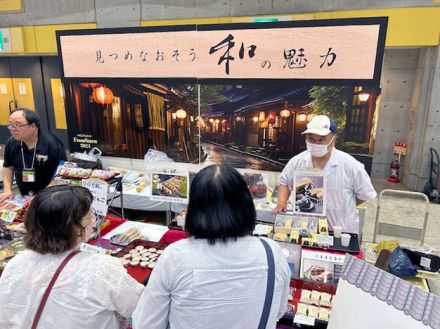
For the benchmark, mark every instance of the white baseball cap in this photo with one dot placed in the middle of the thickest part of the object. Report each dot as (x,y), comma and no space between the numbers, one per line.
(321,125)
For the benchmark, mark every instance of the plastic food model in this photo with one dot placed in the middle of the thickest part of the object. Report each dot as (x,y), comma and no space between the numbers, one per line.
(126,237)
(256,185)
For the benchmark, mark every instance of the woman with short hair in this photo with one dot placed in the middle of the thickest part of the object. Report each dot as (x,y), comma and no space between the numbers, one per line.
(217,278)
(90,290)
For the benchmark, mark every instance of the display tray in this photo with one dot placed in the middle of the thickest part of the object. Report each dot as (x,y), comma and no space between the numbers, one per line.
(299,285)
(139,273)
(353,247)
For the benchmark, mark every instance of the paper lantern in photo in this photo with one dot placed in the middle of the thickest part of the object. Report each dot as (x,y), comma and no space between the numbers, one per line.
(302,117)
(181,114)
(285,113)
(102,95)
(262,116)
(224,124)
(271,117)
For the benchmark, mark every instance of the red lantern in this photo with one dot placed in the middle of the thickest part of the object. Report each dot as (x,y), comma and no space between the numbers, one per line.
(271,118)
(102,95)
(89,84)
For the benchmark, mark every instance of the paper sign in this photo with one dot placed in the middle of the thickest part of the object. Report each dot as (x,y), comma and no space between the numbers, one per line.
(302,319)
(99,191)
(425,262)
(400,148)
(325,240)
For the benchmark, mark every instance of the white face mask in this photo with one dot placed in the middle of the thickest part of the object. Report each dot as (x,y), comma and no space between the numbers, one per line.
(318,150)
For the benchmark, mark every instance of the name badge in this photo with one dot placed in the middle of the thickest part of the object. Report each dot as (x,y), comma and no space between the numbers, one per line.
(28,175)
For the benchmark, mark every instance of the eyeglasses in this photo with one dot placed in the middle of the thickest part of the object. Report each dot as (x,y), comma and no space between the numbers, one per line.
(93,219)
(17,125)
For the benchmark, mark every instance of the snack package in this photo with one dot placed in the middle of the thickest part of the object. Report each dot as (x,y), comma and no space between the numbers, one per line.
(313,311)
(323,314)
(306,242)
(301,309)
(280,237)
(294,236)
(305,296)
(315,297)
(326,299)
(314,240)
(323,226)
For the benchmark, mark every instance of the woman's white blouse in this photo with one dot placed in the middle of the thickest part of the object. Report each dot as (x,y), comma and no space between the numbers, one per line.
(197,285)
(89,292)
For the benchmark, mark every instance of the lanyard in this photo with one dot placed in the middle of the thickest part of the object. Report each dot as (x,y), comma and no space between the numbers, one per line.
(33,158)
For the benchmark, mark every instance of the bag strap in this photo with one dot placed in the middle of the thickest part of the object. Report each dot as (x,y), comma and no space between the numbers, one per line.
(50,286)
(270,286)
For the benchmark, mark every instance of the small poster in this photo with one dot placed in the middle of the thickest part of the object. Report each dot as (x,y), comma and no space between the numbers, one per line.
(169,187)
(321,266)
(309,194)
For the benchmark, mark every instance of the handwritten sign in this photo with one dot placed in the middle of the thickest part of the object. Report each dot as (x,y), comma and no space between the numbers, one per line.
(99,191)
(333,49)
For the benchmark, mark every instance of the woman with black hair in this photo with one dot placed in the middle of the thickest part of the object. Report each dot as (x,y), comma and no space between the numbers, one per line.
(218,277)
(90,289)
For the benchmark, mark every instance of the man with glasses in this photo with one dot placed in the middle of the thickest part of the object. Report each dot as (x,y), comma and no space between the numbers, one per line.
(348,184)
(31,154)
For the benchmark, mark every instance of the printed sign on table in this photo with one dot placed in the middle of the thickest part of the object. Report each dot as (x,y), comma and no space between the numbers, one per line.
(169,187)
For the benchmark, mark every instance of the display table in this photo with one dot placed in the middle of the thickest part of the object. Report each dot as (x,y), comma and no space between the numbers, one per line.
(139,200)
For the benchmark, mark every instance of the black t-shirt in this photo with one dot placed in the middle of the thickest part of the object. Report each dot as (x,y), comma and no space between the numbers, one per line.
(49,152)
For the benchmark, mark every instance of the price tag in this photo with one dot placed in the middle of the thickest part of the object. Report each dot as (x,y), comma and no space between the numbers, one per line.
(325,240)
(8,216)
(425,262)
(302,319)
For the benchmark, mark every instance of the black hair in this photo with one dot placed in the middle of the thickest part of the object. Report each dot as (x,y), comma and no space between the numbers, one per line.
(220,205)
(53,220)
(30,116)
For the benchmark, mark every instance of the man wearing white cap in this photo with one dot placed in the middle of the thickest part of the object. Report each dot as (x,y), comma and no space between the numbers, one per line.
(348,184)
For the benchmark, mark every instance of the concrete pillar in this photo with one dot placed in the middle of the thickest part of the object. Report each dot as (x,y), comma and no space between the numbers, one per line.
(414,175)
(115,13)
(397,84)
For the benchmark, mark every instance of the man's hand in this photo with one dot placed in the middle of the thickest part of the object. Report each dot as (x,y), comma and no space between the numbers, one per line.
(279,208)
(283,196)
(6,195)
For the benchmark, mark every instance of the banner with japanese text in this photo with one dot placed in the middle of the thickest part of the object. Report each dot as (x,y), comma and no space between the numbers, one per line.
(309,50)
